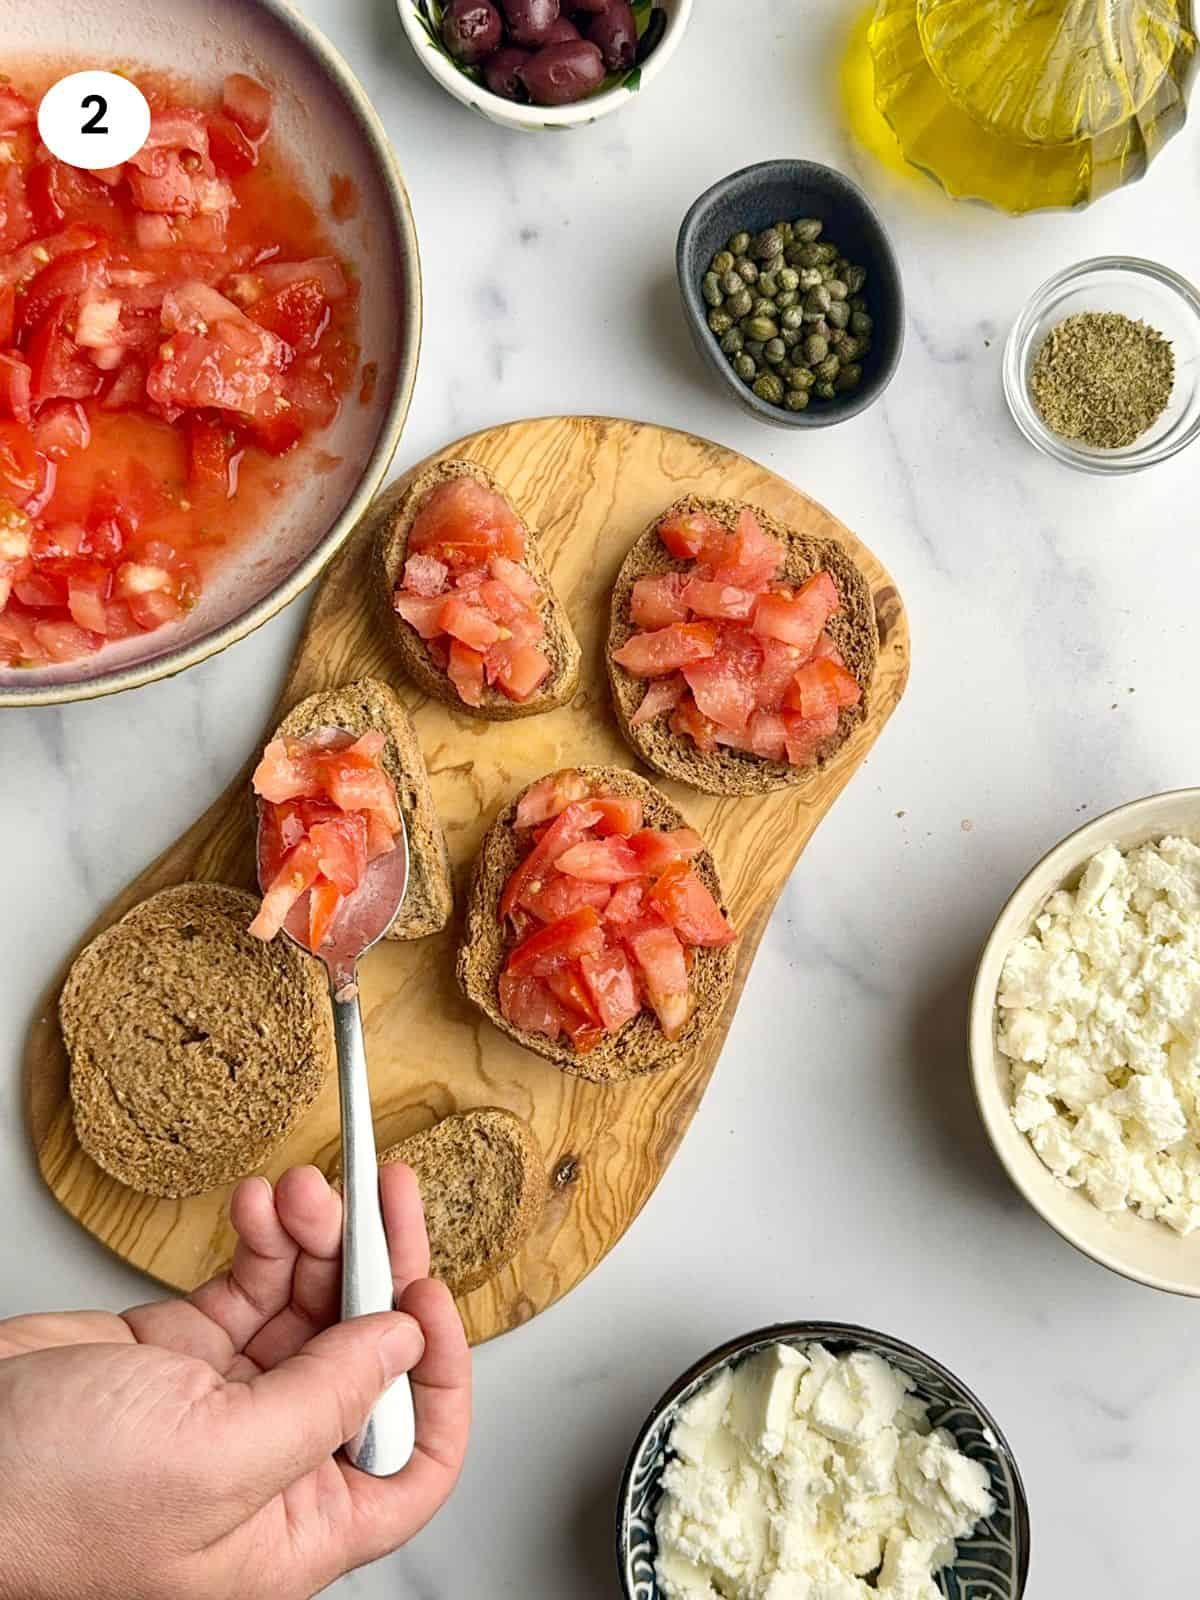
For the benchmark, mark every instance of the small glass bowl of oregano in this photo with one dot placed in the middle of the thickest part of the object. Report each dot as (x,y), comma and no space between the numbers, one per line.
(1102,368)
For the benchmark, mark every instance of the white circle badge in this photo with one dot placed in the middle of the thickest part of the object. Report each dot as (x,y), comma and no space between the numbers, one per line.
(94,119)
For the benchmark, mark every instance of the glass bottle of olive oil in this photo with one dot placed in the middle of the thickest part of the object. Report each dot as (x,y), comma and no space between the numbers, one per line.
(1028,104)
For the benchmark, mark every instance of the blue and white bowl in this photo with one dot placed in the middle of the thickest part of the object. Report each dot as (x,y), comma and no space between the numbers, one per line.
(992,1565)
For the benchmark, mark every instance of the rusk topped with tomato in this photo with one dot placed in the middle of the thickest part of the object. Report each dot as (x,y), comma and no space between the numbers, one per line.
(595,932)
(469,602)
(740,652)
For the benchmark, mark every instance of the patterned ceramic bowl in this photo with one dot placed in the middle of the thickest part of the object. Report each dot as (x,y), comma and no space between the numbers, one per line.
(991,1566)
(662,21)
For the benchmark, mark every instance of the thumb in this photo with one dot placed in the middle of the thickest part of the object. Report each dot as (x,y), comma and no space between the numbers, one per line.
(287,1421)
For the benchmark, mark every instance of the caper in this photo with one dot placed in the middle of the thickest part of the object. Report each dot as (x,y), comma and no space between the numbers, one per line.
(785,232)
(858,302)
(722,262)
(825,252)
(806,255)
(763,306)
(816,348)
(746,269)
(730,282)
(719,321)
(836,289)
(848,378)
(710,288)
(828,369)
(753,347)
(860,324)
(746,367)
(818,325)
(803,377)
(739,244)
(828,272)
(824,391)
(817,303)
(845,347)
(796,399)
(770,388)
(760,329)
(807,229)
(740,305)
(838,314)
(731,341)
(768,245)
(786,298)
(790,336)
(854,277)
(810,278)
(774,352)
(768,284)
(788,278)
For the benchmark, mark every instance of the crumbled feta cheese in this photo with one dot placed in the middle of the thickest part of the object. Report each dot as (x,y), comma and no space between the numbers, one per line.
(799,1473)
(1099,1019)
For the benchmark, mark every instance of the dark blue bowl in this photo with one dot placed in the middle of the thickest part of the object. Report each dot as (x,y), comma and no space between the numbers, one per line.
(769,192)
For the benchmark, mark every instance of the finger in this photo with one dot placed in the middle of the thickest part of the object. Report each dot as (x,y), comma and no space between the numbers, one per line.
(258,1283)
(311,1213)
(389,1511)
(50,1330)
(404,1222)
(280,1425)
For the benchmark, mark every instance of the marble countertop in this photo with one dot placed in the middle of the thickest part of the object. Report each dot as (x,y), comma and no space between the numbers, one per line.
(837,1167)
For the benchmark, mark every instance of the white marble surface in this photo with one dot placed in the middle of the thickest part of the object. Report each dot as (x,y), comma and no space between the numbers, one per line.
(836,1168)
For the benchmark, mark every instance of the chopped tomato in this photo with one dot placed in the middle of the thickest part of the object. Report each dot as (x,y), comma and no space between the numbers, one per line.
(57,367)
(423,612)
(822,686)
(601,861)
(692,535)
(625,902)
(341,846)
(567,829)
(659,848)
(612,986)
(20,471)
(779,666)
(8,307)
(552,901)
(720,601)
(687,718)
(527,1004)
(684,900)
(469,623)
(297,312)
(826,647)
(14,387)
(551,947)
(15,111)
(620,814)
(806,736)
(233,152)
(793,621)
(519,669)
(212,452)
(662,694)
(61,429)
(88,588)
(297,873)
(650,655)
(65,641)
(245,100)
(724,687)
(465,524)
(751,557)
(425,576)
(518,579)
(656,602)
(465,671)
(568,987)
(323,901)
(549,796)
(660,960)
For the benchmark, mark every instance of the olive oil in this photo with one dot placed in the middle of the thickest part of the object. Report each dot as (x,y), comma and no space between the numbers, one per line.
(1028,104)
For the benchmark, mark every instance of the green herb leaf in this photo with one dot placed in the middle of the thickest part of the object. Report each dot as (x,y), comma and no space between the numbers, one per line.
(633,80)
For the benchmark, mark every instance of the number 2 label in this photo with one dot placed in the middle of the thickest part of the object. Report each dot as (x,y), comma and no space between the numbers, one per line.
(94,119)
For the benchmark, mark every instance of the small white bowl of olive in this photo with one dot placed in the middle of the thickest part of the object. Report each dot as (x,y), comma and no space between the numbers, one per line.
(792,292)
(533,64)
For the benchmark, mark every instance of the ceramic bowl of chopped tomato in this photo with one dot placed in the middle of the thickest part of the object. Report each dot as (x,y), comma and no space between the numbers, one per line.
(206,352)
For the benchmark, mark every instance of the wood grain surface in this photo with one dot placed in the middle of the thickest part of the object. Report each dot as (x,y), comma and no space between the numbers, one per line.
(590,485)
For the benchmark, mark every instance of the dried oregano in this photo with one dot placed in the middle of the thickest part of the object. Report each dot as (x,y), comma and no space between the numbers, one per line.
(1102,378)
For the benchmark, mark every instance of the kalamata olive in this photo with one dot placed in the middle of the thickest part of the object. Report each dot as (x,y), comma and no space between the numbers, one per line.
(561,31)
(562,73)
(530,21)
(471,30)
(502,72)
(614,32)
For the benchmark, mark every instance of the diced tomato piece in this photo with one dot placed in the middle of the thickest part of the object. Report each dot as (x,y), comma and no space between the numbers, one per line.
(15,533)
(173,128)
(619,814)
(212,447)
(469,623)
(561,895)
(612,986)
(650,655)
(656,602)
(518,668)
(687,718)
(685,901)
(126,387)
(61,428)
(660,960)
(465,671)
(296,874)
(826,647)
(567,829)
(805,736)
(269,277)
(465,524)
(323,901)
(16,219)
(341,847)
(194,370)
(625,902)
(41,591)
(154,609)
(567,986)
(15,381)
(232,152)
(298,313)
(8,306)
(792,621)
(600,861)
(549,796)
(57,367)
(656,849)
(355,783)
(88,589)
(499,602)
(284,773)
(822,686)
(725,686)
(766,736)
(66,641)
(577,935)
(692,535)
(751,558)
(779,665)
(425,576)
(248,103)
(20,472)
(527,1004)
(720,601)
(15,111)
(422,612)
(57,192)
(662,694)
(518,579)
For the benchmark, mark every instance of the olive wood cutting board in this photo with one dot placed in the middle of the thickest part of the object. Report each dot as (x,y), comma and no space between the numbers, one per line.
(590,485)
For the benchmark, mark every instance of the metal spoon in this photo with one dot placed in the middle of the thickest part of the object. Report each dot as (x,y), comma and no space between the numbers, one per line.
(385,1442)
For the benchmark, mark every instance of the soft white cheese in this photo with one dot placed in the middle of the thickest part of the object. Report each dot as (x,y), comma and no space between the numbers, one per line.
(799,1473)
(1099,1019)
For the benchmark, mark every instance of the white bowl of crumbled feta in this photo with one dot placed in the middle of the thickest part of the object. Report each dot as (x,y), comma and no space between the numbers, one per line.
(1085,1040)
(821,1461)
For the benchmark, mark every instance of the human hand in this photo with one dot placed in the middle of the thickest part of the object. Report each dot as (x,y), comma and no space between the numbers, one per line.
(186,1448)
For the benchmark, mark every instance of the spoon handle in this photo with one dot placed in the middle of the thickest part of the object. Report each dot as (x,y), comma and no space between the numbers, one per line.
(385,1442)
